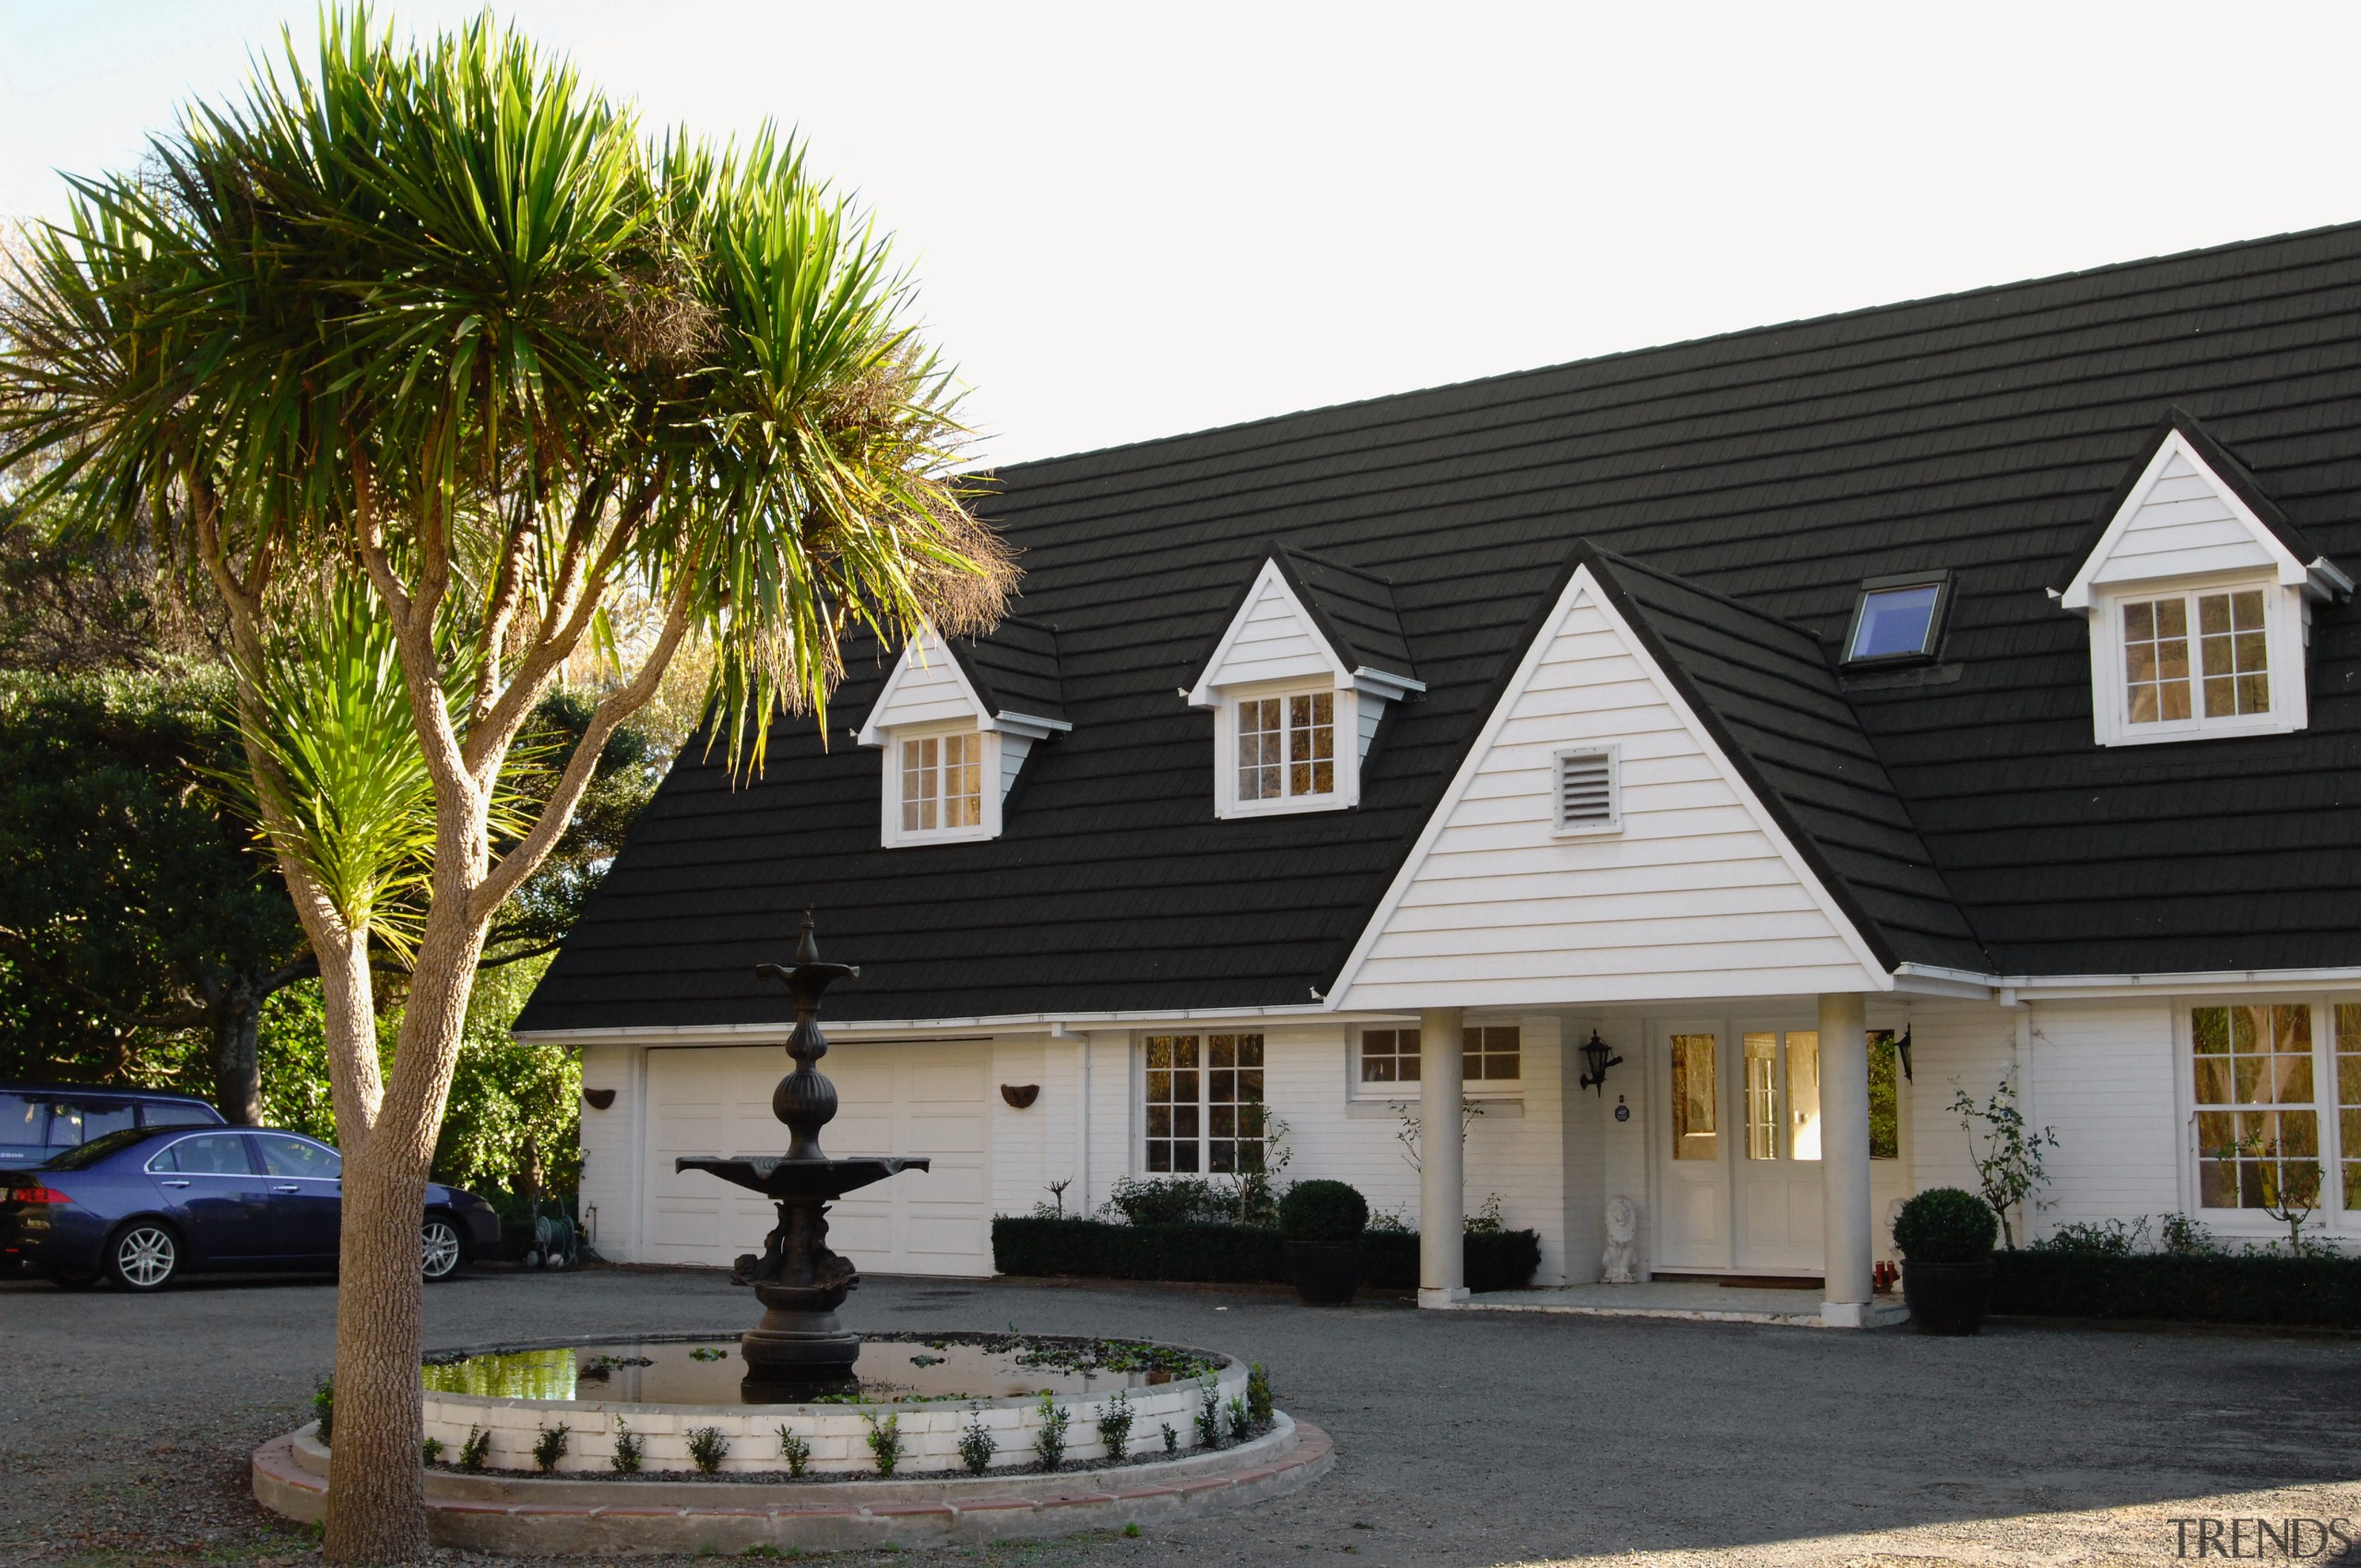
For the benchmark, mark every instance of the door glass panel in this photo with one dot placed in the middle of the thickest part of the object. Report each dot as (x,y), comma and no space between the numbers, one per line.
(70,1123)
(1762,1097)
(2348,1098)
(1692,1098)
(1803,1094)
(1885,1096)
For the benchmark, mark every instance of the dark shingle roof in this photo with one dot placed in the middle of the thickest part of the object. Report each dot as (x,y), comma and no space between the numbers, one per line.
(1771,469)
(1354,609)
(1013,668)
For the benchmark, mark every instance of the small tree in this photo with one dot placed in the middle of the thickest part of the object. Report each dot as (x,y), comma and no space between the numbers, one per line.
(431,331)
(2008,1158)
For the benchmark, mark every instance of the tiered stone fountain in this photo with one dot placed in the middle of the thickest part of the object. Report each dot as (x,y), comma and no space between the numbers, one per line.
(807,1380)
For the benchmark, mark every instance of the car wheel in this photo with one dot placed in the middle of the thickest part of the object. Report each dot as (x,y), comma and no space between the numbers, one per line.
(440,1251)
(144,1256)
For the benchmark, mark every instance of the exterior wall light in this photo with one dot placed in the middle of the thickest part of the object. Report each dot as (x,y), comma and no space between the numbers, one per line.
(1598,1056)
(1902,1049)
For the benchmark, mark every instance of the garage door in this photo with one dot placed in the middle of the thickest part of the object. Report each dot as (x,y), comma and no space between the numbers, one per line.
(905,1100)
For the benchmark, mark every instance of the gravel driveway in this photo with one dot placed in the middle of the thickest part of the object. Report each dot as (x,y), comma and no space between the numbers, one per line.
(1462,1438)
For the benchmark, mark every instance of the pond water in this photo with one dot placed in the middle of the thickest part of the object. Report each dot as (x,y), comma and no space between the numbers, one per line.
(891,1370)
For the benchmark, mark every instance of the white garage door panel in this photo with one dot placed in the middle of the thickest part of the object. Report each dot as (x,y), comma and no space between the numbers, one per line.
(917,1099)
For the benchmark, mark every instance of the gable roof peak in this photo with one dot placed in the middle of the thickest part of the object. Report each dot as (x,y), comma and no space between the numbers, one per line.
(2187,506)
(1345,619)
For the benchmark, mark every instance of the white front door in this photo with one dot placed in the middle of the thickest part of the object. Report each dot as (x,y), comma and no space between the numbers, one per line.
(1737,1147)
(1777,1191)
(900,1099)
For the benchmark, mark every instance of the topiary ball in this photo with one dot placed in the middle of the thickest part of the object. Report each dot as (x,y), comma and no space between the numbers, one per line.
(1945,1225)
(1323,1211)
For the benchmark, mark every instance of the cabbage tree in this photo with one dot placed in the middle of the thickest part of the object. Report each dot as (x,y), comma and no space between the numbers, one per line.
(437,325)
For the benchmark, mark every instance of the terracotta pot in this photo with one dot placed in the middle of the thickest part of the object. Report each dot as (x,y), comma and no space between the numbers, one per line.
(1947,1298)
(1327,1273)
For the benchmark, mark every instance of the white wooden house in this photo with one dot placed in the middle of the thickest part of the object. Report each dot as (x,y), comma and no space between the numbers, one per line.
(1977,674)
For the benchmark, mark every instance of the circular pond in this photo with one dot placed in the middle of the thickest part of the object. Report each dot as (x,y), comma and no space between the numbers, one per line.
(893,1369)
(651,1399)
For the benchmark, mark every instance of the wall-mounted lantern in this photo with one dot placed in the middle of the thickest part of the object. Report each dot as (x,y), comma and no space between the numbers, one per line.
(1599,1056)
(1902,1049)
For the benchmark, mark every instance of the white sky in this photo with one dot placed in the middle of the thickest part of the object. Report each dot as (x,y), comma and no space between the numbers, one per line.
(1134,220)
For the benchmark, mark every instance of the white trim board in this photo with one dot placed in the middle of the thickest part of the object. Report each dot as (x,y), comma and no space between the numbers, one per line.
(1808,956)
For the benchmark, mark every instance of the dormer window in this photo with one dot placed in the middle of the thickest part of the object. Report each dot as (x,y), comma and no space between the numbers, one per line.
(1300,679)
(1898,619)
(2198,592)
(956,722)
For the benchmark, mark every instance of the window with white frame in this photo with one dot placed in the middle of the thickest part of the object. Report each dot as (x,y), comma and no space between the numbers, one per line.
(1492,1057)
(1286,746)
(1203,1104)
(941,784)
(2275,1100)
(2215,659)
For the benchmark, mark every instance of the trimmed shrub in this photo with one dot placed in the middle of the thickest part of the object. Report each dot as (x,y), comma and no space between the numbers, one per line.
(1945,1225)
(2300,1292)
(1323,1211)
(1234,1254)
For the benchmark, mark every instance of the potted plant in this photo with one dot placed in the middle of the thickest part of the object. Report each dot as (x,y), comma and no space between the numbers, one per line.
(1946,1240)
(1323,1223)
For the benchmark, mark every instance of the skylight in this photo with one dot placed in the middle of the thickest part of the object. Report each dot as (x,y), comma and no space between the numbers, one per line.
(1898,618)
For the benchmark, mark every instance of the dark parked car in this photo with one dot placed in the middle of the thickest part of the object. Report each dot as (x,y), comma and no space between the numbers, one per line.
(38,1120)
(142,1206)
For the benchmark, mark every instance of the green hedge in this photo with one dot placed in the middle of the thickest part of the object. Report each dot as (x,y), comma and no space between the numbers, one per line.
(1231,1254)
(2310,1292)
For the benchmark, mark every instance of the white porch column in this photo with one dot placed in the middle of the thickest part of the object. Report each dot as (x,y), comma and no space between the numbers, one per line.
(1442,1214)
(1845,1160)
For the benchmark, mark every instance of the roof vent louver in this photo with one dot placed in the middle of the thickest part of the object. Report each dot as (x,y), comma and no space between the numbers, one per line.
(1590,793)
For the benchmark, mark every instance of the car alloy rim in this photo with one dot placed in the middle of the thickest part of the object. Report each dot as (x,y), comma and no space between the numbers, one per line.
(438,1248)
(145,1257)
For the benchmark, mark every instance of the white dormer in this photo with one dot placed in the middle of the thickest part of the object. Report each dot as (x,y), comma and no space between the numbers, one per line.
(952,748)
(1298,681)
(2198,592)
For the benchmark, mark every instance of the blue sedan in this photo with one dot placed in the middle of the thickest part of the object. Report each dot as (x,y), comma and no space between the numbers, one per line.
(146,1204)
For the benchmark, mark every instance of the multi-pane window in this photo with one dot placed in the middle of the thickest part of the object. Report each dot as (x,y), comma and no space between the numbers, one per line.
(1204,1103)
(1761,1095)
(1490,1053)
(1389,1056)
(2230,677)
(2258,1122)
(1493,1054)
(2233,653)
(2156,659)
(1694,1095)
(942,782)
(1286,746)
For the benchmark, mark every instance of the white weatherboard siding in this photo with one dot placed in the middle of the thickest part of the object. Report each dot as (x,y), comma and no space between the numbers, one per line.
(612,1145)
(2183,526)
(919,1099)
(1696,897)
(2103,1075)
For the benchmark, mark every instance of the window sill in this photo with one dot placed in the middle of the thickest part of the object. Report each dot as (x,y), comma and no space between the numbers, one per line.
(1365,1108)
